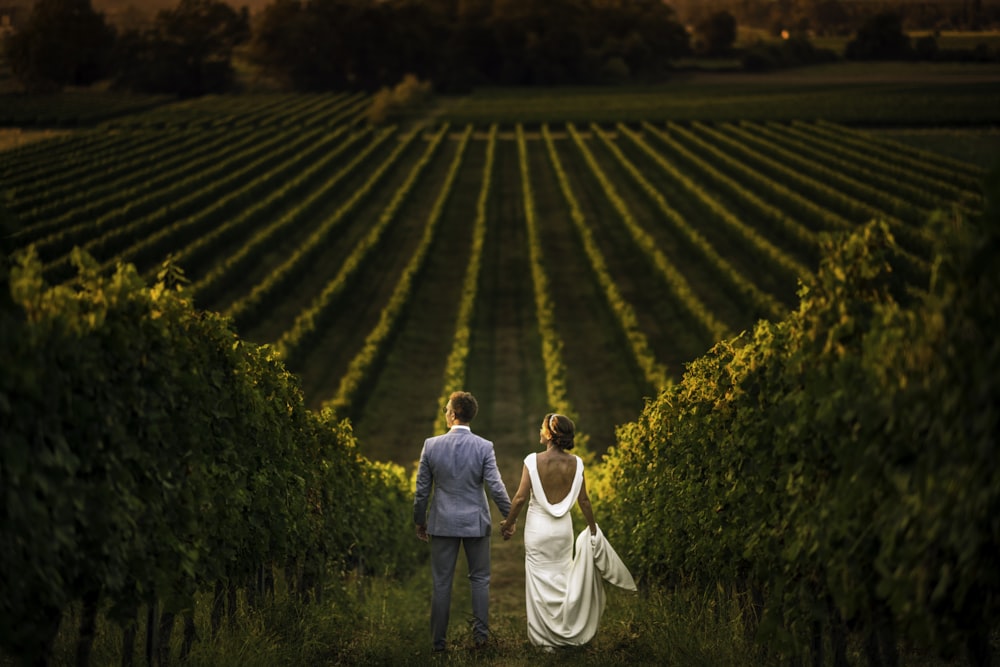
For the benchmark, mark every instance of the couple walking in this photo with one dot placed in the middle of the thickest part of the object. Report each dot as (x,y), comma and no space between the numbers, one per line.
(564,591)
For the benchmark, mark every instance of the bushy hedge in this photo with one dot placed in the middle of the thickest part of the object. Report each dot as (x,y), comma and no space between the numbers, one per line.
(792,52)
(838,468)
(149,453)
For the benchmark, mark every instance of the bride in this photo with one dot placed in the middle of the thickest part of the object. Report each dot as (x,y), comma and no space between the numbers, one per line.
(564,591)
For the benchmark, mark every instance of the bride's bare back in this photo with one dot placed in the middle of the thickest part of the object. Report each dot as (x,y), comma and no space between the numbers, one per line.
(556,471)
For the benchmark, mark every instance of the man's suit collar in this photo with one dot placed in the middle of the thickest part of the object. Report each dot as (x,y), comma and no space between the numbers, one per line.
(464,427)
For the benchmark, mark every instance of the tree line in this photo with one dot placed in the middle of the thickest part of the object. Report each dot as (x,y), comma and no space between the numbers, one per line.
(367,45)
(844,17)
(349,44)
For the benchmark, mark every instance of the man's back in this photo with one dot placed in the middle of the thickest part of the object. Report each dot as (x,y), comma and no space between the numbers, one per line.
(454,468)
(458,464)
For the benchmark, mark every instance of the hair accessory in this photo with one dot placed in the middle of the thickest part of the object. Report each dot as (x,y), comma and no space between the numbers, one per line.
(552,423)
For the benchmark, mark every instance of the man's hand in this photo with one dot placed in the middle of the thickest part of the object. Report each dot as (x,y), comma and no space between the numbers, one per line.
(507,530)
(422,532)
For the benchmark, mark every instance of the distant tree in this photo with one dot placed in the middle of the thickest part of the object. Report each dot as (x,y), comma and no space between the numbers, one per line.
(419,41)
(362,44)
(830,17)
(926,48)
(187,52)
(63,43)
(644,34)
(795,51)
(880,38)
(717,34)
(132,18)
(324,45)
(661,32)
(285,43)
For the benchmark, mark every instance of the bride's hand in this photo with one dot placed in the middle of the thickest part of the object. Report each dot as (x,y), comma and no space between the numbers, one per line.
(507,530)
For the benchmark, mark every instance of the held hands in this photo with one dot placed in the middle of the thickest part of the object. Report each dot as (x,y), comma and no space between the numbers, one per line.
(508,530)
(422,532)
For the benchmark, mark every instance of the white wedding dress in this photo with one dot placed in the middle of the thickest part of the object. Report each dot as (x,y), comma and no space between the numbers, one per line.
(564,591)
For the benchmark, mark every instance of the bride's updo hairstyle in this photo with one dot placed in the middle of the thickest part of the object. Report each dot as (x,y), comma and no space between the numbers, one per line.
(560,429)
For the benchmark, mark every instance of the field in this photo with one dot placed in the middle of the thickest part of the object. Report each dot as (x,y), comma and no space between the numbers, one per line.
(567,250)
(349,247)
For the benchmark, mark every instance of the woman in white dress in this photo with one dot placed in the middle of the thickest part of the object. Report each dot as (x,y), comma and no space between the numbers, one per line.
(564,591)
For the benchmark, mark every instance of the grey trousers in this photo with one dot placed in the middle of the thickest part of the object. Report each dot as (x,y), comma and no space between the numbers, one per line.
(444,556)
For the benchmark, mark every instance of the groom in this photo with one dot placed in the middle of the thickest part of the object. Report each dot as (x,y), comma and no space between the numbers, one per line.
(457,465)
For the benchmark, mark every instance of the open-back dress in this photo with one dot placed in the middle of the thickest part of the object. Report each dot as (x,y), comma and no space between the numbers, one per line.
(564,590)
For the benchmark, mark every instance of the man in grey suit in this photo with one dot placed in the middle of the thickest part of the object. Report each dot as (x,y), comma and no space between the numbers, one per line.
(460,466)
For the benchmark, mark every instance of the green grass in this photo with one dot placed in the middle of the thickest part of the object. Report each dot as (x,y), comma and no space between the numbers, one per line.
(879,94)
(385,622)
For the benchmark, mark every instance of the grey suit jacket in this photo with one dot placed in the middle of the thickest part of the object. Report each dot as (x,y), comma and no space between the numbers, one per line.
(460,466)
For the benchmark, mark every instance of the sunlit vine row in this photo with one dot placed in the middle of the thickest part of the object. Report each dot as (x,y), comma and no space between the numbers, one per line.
(856,175)
(935,165)
(312,319)
(228,270)
(70,216)
(675,280)
(23,169)
(111,232)
(204,468)
(805,240)
(655,372)
(239,207)
(374,345)
(741,144)
(455,367)
(890,176)
(956,177)
(860,200)
(555,368)
(762,302)
(719,147)
(757,243)
(298,261)
(106,173)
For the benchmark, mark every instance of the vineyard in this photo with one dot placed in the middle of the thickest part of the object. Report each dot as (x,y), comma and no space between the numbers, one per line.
(613,253)
(582,267)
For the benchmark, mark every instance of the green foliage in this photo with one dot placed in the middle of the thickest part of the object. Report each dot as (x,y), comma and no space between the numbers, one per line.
(653,371)
(880,38)
(355,44)
(456,366)
(187,52)
(716,34)
(149,453)
(362,366)
(839,465)
(264,293)
(795,51)
(64,43)
(552,343)
(390,103)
